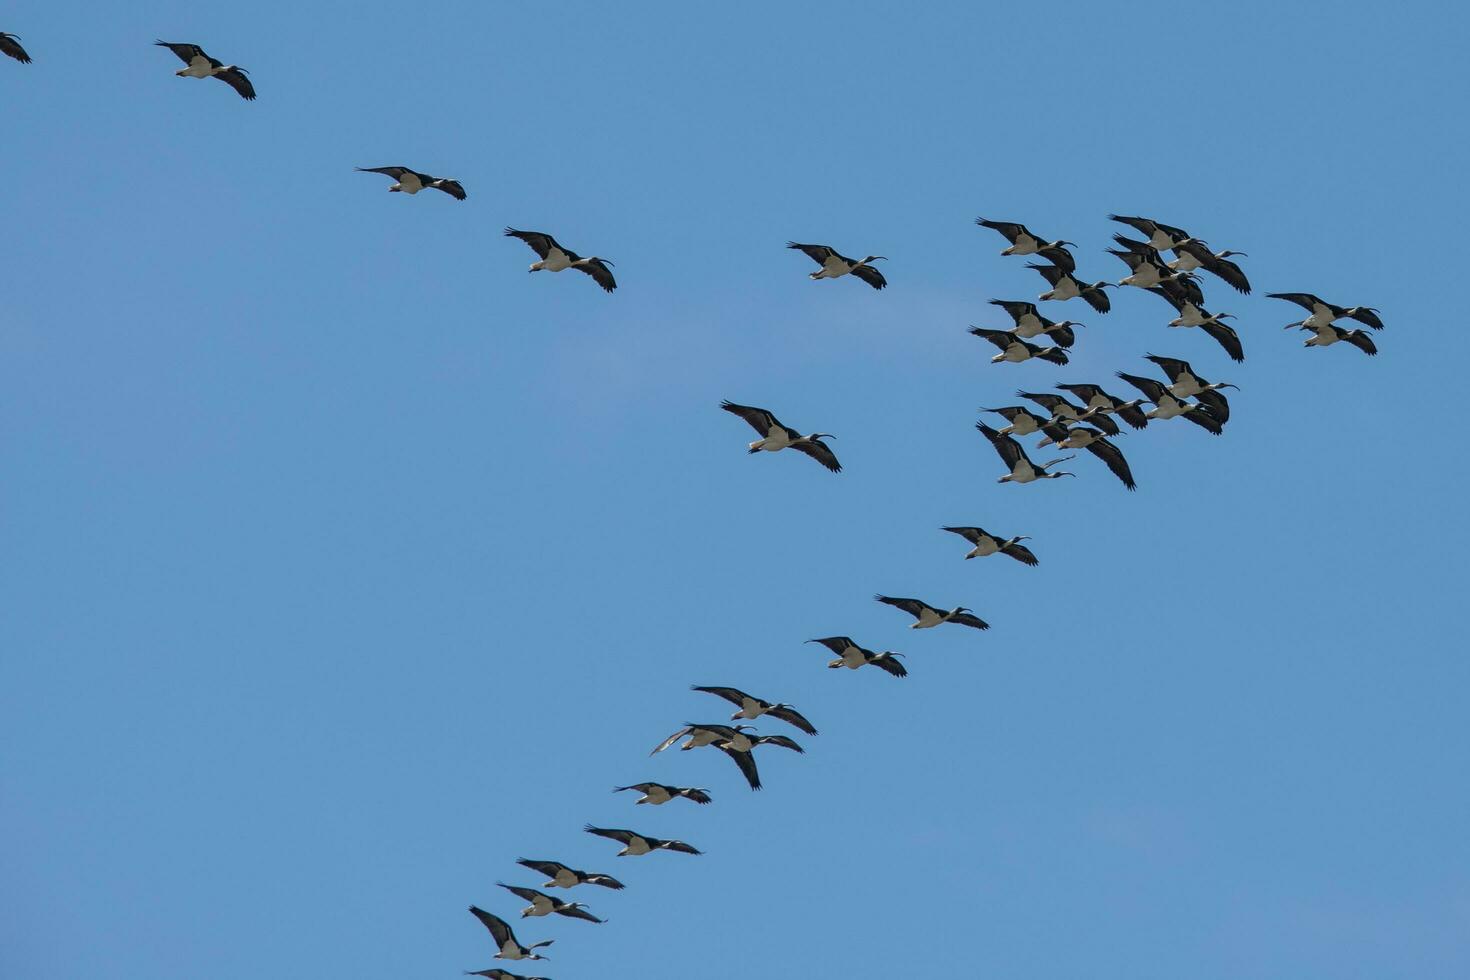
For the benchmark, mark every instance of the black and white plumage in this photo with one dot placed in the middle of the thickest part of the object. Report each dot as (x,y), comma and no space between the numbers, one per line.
(852,656)
(200,65)
(986,544)
(927,616)
(775,436)
(1030,323)
(657,794)
(1195,315)
(735,741)
(1014,350)
(406,181)
(1060,408)
(1330,333)
(495,973)
(835,265)
(750,707)
(1090,439)
(1161,237)
(1094,399)
(1194,254)
(544,904)
(1022,470)
(563,876)
(1147,270)
(1024,422)
(10,47)
(509,948)
(556,257)
(1065,286)
(635,844)
(1320,312)
(1185,383)
(1024,242)
(1168,406)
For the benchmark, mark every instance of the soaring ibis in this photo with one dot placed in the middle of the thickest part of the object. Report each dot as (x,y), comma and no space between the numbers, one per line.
(657,794)
(1063,409)
(555,257)
(1168,406)
(1095,400)
(1161,237)
(406,181)
(544,904)
(927,616)
(200,65)
(1320,312)
(563,876)
(636,845)
(1024,242)
(775,437)
(1184,382)
(10,47)
(1065,286)
(834,265)
(505,940)
(1330,333)
(986,544)
(1194,254)
(852,656)
(1030,323)
(1014,350)
(1193,314)
(1090,439)
(1022,469)
(1024,422)
(750,707)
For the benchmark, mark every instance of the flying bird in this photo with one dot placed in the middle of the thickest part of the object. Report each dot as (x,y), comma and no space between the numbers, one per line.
(927,616)
(1184,383)
(775,436)
(852,656)
(556,258)
(1024,242)
(1014,350)
(406,181)
(736,742)
(750,707)
(1330,333)
(10,46)
(505,939)
(986,544)
(1062,409)
(1024,422)
(1322,312)
(833,265)
(1195,315)
(1094,399)
(1167,406)
(201,65)
(1030,323)
(1011,453)
(495,973)
(1065,286)
(635,845)
(1090,439)
(544,904)
(657,794)
(562,876)
(1194,254)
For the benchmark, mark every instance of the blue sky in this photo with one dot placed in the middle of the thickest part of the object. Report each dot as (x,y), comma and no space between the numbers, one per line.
(346,562)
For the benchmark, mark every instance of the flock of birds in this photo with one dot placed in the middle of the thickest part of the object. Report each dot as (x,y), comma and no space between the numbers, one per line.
(1086,423)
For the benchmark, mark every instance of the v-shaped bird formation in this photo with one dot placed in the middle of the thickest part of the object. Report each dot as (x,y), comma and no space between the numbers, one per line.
(1086,424)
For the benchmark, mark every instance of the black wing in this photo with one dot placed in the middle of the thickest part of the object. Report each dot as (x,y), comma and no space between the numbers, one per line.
(1016,308)
(576,912)
(758,419)
(235,79)
(540,242)
(1021,553)
(871,276)
(697,795)
(1306,301)
(1133,415)
(10,45)
(889,663)
(529,894)
(793,717)
(1053,354)
(733,695)
(548,868)
(497,926)
(1059,257)
(1064,336)
(1226,337)
(621,836)
(1361,341)
(678,845)
(1216,403)
(1109,454)
(606,881)
(1366,315)
(970,534)
(1050,273)
(746,762)
(186,52)
(819,451)
(1097,298)
(817,253)
(1152,390)
(1002,339)
(1171,366)
(1008,448)
(600,273)
(967,619)
(783,742)
(1205,419)
(451,187)
(396,173)
(1011,230)
(1229,272)
(837,644)
(913,607)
